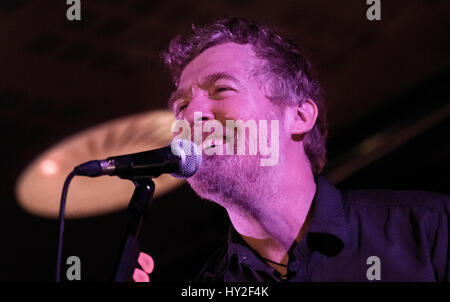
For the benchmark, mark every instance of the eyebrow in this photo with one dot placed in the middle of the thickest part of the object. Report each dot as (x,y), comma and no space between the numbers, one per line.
(214,77)
(176,95)
(205,82)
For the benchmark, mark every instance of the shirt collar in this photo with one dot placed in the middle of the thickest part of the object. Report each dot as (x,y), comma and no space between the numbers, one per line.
(327,232)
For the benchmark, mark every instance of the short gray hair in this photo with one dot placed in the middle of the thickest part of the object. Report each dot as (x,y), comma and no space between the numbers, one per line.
(287,71)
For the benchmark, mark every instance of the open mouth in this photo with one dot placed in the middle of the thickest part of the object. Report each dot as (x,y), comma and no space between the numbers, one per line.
(213,142)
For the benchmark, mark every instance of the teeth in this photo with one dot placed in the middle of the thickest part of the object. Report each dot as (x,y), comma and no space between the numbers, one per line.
(217,142)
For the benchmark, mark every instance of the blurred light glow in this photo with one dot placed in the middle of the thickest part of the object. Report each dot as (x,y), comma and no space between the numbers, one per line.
(49,167)
(38,188)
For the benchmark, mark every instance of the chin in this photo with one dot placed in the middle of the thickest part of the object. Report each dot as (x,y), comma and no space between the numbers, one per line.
(202,186)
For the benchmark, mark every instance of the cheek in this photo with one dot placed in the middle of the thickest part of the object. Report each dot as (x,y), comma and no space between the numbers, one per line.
(250,108)
(234,108)
(246,107)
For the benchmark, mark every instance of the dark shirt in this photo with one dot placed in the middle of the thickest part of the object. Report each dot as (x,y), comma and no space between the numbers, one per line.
(406,231)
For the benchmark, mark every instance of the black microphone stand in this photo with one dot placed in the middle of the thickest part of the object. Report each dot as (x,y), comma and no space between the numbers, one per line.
(138,209)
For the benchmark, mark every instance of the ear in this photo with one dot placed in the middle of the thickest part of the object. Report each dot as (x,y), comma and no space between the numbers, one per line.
(304,119)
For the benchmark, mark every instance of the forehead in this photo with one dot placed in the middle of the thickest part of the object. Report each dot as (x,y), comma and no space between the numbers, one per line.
(231,58)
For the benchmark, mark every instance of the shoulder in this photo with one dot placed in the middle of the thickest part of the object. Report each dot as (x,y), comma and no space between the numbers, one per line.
(383,208)
(411,217)
(396,198)
(214,269)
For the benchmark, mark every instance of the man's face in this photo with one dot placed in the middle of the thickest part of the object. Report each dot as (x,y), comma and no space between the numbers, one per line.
(218,83)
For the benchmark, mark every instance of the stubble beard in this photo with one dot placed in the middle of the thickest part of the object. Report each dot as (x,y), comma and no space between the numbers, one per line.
(233,181)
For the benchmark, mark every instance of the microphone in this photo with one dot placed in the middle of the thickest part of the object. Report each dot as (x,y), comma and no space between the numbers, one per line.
(181,159)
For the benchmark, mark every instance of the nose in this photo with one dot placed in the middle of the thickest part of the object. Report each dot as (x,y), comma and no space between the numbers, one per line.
(199,109)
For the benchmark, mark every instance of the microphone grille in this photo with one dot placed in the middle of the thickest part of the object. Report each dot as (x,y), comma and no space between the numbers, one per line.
(190,155)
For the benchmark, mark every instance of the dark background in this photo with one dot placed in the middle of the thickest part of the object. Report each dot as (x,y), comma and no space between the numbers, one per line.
(387,80)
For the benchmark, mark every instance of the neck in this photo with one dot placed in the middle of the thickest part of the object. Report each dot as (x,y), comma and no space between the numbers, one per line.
(280,219)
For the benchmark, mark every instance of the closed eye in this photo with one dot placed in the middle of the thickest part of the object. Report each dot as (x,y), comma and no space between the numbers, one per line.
(221,91)
(179,107)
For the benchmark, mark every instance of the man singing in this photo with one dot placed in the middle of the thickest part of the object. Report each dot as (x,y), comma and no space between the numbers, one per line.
(288,222)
